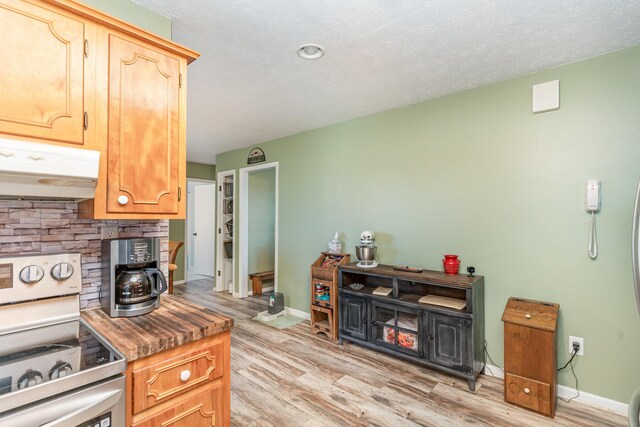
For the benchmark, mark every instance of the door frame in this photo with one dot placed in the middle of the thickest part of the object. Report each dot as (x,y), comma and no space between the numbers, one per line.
(220,284)
(187,240)
(243,227)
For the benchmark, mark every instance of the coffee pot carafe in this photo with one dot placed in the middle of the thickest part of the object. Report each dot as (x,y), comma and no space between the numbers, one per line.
(139,285)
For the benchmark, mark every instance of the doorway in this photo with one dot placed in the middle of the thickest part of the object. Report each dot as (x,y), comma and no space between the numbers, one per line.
(225,243)
(200,229)
(253,232)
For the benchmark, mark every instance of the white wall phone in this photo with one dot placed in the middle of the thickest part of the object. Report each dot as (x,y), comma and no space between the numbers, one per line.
(592,199)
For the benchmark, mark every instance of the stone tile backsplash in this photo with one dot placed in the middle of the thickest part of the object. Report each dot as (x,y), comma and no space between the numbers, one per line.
(34,227)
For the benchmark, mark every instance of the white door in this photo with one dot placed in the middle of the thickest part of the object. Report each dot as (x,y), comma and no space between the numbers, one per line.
(204,225)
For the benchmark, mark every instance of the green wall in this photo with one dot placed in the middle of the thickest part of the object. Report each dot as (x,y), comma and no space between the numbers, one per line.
(135,14)
(477,174)
(176,226)
(262,197)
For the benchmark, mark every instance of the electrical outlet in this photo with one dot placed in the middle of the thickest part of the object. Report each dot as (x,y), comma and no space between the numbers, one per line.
(580,342)
(109,232)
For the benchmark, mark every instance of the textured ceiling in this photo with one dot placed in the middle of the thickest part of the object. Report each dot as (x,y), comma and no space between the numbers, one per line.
(249,86)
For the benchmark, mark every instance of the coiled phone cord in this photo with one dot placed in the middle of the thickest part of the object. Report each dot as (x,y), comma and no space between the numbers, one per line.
(593,239)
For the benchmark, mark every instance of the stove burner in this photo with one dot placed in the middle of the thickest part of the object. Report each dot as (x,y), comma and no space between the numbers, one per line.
(29,379)
(59,370)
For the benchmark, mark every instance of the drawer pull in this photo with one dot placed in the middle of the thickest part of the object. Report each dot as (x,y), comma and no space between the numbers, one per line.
(526,390)
(186,374)
(123,200)
(528,316)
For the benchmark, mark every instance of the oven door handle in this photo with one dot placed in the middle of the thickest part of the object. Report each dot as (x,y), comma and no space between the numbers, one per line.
(87,412)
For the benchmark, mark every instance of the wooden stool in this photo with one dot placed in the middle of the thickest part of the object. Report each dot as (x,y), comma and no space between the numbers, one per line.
(174,247)
(257,278)
(321,320)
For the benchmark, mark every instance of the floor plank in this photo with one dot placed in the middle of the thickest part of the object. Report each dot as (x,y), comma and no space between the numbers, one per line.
(290,377)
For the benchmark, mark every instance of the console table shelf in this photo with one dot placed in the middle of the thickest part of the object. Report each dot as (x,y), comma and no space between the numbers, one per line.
(437,336)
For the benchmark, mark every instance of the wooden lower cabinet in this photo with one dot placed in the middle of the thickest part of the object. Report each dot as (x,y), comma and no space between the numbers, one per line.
(530,356)
(188,385)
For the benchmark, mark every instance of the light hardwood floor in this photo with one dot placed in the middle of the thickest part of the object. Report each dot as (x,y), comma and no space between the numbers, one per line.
(289,377)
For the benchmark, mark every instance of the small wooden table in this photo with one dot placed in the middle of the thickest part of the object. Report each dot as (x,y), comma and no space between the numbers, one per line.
(258,278)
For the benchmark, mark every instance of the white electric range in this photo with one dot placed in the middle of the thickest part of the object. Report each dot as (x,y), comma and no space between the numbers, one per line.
(54,369)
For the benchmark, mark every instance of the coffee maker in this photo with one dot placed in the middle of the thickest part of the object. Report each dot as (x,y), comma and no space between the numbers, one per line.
(131,279)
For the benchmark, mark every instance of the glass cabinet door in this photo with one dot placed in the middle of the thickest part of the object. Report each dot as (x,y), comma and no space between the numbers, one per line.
(396,328)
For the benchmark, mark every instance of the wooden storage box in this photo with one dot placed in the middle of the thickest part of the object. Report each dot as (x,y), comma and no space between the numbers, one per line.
(322,271)
(324,293)
(530,366)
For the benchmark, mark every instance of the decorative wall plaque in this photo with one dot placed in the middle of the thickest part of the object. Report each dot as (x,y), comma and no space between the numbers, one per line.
(256,156)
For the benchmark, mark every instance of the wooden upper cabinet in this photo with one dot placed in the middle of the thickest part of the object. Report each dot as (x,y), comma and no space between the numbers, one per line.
(144,128)
(42,72)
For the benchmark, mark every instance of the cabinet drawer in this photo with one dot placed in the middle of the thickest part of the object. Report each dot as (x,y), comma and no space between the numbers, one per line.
(528,393)
(202,410)
(164,380)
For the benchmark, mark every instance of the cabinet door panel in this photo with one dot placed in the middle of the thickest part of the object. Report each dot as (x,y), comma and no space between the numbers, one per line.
(449,343)
(42,77)
(201,410)
(354,317)
(144,128)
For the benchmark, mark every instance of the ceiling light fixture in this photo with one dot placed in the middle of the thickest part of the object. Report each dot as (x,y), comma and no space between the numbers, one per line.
(310,51)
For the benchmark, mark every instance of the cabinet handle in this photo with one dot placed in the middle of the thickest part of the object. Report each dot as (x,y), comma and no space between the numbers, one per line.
(528,316)
(526,390)
(6,153)
(364,320)
(123,200)
(185,375)
(430,337)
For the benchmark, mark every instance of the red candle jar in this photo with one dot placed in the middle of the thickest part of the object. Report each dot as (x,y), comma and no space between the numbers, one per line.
(451,264)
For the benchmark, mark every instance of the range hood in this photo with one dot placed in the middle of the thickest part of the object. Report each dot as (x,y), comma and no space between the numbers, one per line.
(30,170)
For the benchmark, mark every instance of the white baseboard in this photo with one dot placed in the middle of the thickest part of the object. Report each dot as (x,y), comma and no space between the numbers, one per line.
(179,282)
(298,313)
(270,288)
(568,392)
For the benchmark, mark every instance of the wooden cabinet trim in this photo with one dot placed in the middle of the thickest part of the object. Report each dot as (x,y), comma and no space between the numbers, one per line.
(117,24)
(203,401)
(199,408)
(188,384)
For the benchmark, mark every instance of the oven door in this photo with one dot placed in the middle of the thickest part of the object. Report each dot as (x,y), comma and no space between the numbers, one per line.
(101,403)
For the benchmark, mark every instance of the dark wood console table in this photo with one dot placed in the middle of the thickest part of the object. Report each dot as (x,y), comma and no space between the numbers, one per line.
(432,334)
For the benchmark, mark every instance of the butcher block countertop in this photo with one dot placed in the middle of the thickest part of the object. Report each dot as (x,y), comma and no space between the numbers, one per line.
(176,322)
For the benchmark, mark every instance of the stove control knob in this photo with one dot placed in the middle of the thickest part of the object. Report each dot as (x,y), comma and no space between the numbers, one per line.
(62,271)
(31,274)
(29,379)
(60,370)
